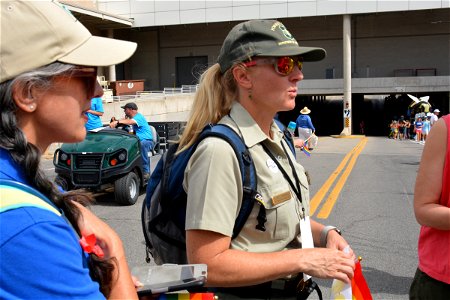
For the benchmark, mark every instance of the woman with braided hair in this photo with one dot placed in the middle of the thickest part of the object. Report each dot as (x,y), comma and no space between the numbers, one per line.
(51,245)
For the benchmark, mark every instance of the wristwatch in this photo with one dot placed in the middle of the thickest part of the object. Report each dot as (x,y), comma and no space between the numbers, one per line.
(324,234)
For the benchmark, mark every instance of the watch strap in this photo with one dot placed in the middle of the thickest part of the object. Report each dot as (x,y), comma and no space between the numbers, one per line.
(324,234)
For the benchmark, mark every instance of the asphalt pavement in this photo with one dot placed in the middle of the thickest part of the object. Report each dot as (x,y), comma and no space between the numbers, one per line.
(367,187)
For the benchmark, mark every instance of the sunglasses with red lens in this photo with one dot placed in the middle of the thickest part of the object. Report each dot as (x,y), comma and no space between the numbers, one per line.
(283,65)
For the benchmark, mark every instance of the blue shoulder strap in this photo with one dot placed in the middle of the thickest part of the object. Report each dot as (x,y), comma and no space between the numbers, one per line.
(248,171)
(172,185)
(14,194)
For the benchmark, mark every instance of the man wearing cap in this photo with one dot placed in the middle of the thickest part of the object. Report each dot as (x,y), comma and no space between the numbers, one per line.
(142,129)
(435,116)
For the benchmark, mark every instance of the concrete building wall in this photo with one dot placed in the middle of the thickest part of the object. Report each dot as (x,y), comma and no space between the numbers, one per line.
(146,59)
(170,108)
(158,12)
(397,47)
(383,45)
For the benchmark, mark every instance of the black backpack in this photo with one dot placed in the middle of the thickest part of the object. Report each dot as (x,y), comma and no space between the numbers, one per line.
(164,208)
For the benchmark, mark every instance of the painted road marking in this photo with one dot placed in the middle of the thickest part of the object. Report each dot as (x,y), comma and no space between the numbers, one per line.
(332,198)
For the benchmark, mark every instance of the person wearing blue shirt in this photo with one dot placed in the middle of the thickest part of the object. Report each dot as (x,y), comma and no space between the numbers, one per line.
(55,244)
(142,130)
(304,124)
(43,232)
(94,114)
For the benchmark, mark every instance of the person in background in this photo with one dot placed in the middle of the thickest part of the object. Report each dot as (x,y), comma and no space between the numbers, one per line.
(435,116)
(362,127)
(418,126)
(432,211)
(407,129)
(258,69)
(401,128)
(94,114)
(304,124)
(426,128)
(51,245)
(142,129)
(394,129)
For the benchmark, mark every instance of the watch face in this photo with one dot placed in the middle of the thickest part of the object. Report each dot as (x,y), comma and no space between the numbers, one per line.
(335,229)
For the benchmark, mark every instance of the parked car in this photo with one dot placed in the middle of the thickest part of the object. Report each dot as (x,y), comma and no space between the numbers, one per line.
(106,158)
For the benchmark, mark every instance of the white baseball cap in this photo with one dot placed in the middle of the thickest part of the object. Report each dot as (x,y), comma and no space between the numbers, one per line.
(36,33)
(436,110)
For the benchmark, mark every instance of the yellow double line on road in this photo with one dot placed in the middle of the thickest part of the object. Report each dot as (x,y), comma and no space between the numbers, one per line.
(332,198)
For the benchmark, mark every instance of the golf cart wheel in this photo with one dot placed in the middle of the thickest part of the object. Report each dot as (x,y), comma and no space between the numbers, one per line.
(126,189)
(64,183)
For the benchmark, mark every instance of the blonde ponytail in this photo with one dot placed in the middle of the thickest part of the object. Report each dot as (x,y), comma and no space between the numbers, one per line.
(212,101)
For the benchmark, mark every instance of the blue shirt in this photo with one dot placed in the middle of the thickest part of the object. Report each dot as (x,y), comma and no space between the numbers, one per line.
(41,257)
(94,121)
(426,125)
(304,121)
(142,128)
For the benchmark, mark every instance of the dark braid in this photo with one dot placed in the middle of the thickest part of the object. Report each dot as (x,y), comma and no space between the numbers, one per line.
(28,157)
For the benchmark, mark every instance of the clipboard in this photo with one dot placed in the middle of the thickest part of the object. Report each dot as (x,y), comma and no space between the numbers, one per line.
(169,278)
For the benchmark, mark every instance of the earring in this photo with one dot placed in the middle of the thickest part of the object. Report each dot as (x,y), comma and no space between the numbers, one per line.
(31,106)
(250,94)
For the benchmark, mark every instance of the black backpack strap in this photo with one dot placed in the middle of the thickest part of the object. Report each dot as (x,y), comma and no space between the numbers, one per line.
(248,171)
(287,136)
(168,159)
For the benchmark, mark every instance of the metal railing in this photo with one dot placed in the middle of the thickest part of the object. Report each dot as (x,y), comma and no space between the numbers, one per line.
(152,95)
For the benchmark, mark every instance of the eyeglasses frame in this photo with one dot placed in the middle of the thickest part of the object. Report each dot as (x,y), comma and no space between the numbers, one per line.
(274,61)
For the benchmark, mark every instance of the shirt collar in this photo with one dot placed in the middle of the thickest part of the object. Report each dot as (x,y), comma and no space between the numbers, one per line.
(250,130)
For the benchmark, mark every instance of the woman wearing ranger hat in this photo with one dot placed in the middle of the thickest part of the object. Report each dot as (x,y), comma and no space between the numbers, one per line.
(256,76)
(52,247)
(304,124)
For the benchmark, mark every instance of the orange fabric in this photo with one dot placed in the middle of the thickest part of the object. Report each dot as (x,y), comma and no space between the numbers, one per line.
(360,289)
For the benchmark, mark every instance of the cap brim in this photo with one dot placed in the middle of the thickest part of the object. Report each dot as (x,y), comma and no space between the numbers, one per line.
(308,53)
(100,51)
(312,53)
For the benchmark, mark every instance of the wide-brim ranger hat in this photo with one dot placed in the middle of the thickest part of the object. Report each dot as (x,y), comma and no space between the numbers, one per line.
(36,33)
(305,110)
(262,38)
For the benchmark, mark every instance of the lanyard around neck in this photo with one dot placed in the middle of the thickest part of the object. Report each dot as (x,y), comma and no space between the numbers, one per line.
(295,188)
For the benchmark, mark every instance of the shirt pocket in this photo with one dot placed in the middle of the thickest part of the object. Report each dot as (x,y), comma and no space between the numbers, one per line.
(282,211)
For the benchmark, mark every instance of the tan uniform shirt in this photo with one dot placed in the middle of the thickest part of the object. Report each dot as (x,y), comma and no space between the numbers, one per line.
(214,187)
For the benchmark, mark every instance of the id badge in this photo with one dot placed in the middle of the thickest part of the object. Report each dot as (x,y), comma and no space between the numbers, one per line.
(307,239)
